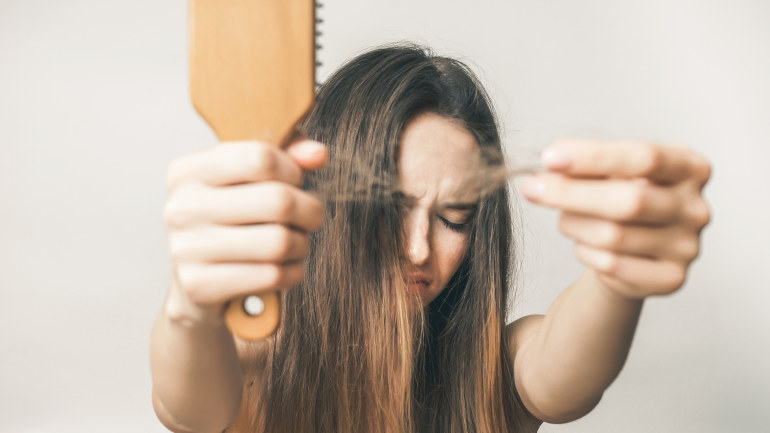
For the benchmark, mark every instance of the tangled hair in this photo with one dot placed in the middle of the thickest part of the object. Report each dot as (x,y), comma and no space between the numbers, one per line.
(356,352)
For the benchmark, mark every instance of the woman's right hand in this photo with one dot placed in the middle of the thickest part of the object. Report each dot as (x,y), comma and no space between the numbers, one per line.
(238,224)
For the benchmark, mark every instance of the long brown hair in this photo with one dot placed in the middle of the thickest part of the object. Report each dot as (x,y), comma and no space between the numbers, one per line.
(355,352)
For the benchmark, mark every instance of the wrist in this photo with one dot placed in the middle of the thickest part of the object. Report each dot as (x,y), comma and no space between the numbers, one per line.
(180,309)
(593,280)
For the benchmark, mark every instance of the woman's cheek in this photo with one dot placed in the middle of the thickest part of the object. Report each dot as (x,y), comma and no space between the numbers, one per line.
(451,250)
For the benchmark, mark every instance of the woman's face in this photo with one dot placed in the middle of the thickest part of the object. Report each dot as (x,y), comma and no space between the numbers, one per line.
(436,166)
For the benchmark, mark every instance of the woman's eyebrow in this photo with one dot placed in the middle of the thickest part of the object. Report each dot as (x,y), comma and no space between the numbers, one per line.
(471,206)
(461,206)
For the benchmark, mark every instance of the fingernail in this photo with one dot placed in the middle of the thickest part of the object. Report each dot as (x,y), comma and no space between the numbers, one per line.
(308,149)
(533,188)
(556,159)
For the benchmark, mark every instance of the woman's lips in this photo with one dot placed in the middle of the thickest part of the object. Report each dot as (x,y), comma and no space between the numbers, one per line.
(419,282)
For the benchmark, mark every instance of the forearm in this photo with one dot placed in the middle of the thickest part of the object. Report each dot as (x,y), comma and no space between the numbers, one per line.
(197,381)
(578,350)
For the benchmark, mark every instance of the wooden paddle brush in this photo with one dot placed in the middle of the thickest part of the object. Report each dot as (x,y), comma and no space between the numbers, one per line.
(252,77)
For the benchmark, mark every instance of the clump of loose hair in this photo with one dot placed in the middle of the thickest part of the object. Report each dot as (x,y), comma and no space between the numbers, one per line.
(356,352)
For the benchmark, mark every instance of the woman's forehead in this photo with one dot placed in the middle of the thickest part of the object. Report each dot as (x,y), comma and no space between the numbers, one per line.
(438,158)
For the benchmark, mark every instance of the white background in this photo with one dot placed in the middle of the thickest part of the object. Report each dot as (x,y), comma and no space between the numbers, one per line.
(94,105)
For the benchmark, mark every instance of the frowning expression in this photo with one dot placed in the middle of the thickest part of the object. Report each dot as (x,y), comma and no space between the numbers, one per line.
(437,162)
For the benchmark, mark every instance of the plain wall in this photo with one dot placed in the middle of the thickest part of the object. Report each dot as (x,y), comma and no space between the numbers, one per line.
(94,105)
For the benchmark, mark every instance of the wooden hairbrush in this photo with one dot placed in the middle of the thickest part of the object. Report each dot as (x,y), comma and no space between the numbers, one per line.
(252,77)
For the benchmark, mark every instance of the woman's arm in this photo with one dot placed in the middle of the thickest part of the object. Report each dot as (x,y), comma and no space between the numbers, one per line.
(197,381)
(635,211)
(566,359)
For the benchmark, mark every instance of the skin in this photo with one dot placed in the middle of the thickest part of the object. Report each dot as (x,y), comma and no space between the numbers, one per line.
(434,169)
(634,209)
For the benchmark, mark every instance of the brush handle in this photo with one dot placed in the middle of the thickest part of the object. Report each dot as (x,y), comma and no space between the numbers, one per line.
(254,317)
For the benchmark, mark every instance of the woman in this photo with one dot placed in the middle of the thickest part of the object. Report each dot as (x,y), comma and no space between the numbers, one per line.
(400,280)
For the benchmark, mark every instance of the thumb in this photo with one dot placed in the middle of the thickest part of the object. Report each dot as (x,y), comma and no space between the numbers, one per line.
(308,154)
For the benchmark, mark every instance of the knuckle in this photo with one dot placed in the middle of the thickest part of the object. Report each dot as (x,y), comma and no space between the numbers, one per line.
(283,202)
(176,214)
(611,264)
(650,158)
(633,205)
(272,275)
(689,248)
(704,215)
(178,249)
(192,281)
(702,168)
(614,236)
(283,277)
(281,243)
(698,213)
(180,170)
(607,262)
(263,161)
(674,280)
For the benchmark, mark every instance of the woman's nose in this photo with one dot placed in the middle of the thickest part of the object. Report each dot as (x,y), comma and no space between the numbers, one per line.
(418,237)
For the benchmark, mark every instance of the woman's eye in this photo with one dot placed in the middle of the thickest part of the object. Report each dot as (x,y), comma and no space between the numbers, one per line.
(457,227)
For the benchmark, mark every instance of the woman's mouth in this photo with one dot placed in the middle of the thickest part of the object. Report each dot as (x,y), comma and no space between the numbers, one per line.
(418,282)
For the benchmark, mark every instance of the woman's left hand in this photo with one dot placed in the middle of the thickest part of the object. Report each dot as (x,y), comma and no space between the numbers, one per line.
(635,209)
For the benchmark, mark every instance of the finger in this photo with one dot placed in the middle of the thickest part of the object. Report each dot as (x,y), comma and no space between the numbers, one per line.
(669,243)
(695,212)
(626,159)
(308,154)
(235,162)
(645,276)
(215,284)
(264,243)
(252,203)
(614,199)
